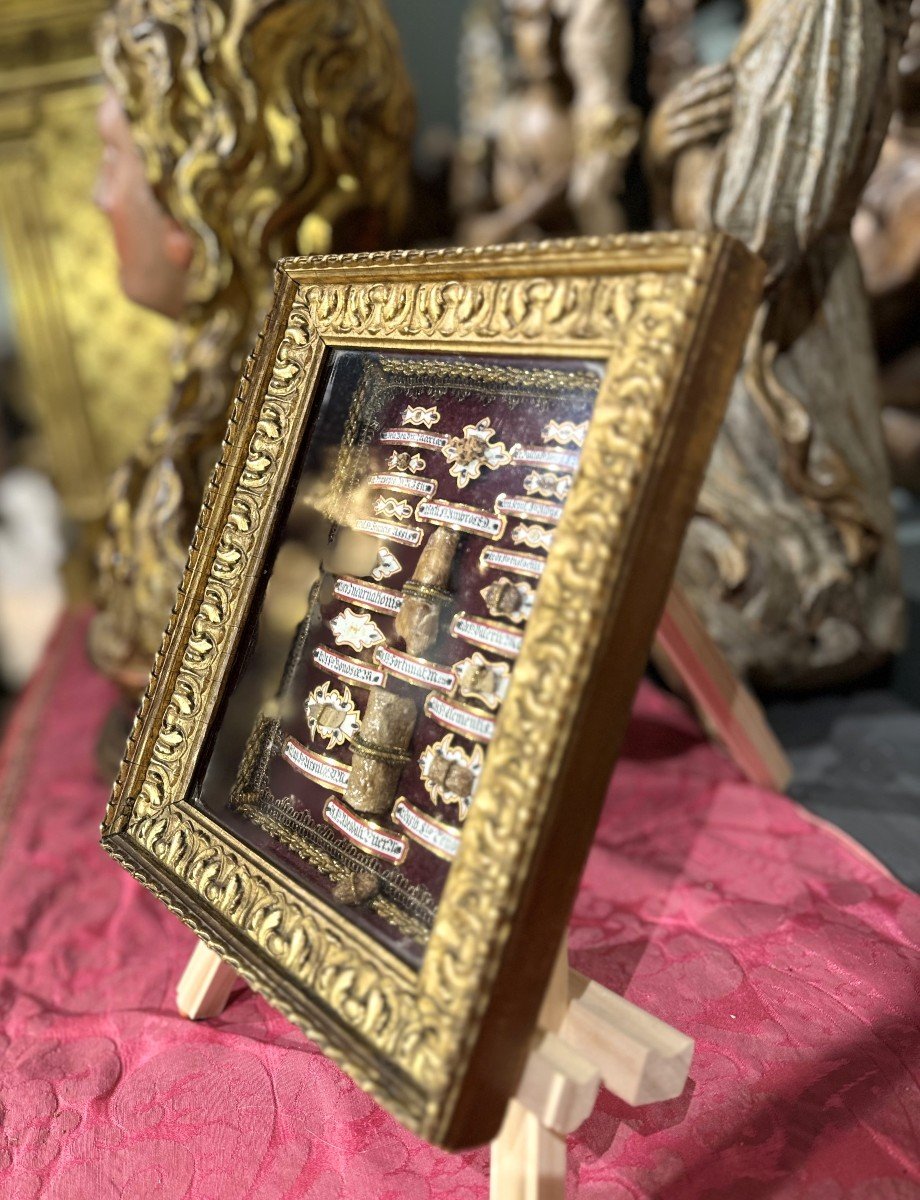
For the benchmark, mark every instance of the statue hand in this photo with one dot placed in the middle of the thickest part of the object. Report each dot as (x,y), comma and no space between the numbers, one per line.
(697,110)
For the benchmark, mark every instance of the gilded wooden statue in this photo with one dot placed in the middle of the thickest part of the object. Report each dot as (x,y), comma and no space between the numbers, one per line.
(547,128)
(791,558)
(261,128)
(672,53)
(88,376)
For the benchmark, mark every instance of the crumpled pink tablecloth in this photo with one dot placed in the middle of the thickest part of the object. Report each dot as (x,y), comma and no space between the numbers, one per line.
(786,952)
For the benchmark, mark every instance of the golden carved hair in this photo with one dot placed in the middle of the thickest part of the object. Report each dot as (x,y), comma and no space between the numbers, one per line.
(268,128)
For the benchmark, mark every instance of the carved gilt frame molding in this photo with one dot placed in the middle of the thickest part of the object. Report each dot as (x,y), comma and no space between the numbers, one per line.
(668,315)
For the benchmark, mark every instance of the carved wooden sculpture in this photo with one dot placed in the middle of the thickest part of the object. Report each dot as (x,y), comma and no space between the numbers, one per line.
(671,51)
(267,127)
(546,136)
(791,557)
(887,234)
(90,364)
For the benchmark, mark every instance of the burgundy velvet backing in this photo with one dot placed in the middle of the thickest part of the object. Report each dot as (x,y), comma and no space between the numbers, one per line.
(789,955)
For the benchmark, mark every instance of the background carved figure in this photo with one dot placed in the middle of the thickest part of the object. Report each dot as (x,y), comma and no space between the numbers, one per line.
(887,233)
(791,558)
(547,131)
(81,372)
(672,53)
(684,35)
(265,128)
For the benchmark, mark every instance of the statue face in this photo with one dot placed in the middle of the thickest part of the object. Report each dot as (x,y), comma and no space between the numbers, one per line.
(154,252)
(530,23)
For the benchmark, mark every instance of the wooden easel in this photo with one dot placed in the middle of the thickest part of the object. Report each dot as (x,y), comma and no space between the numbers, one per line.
(587,1036)
(729,711)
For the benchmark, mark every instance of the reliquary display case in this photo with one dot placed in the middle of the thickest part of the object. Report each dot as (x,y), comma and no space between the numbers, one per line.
(422,590)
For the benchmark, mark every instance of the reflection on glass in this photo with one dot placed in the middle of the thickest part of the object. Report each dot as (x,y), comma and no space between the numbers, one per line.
(406,569)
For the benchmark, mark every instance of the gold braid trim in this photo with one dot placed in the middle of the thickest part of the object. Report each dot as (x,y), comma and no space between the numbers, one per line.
(304,841)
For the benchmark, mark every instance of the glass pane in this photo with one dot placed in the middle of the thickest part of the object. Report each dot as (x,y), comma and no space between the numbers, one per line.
(406,567)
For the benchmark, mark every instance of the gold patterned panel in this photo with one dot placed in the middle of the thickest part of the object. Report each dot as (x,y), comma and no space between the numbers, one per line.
(94,364)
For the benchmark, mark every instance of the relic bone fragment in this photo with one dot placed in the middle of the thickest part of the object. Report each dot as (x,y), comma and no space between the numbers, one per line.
(480,679)
(331,714)
(379,751)
(387,564)
(355,629)
(508,598)
(418,620)
(470,454)
(450,774)
(402,460)
(356,887)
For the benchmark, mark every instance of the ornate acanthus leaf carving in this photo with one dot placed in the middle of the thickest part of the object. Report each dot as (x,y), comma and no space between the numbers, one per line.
(232,554)
(575,309)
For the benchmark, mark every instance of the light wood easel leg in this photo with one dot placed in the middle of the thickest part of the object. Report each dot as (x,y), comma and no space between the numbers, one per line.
(205,985)
(587,1036)
(730,711)
(528,1160)
(590,1036)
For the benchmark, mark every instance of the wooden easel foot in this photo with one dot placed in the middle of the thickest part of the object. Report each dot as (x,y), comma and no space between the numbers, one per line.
(205,985)
(588,1036)
(591,1036)
(730,712)
(528,1160)
(640,1058)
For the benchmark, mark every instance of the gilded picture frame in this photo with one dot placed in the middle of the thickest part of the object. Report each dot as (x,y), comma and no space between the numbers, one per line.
(441,1043)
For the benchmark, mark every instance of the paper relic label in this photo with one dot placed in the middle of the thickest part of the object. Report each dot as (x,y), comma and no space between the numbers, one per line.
(490,635)
(437,836)
(407,534)
(463,517)
(529,509)
(352,670)
(365,834)
(417,438)
(495,559)
(550,458)
(327,771)
(368,595)
(411,485)
(415,670)
(460,719)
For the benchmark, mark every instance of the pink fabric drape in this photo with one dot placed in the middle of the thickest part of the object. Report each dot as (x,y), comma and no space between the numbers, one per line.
(785,951)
